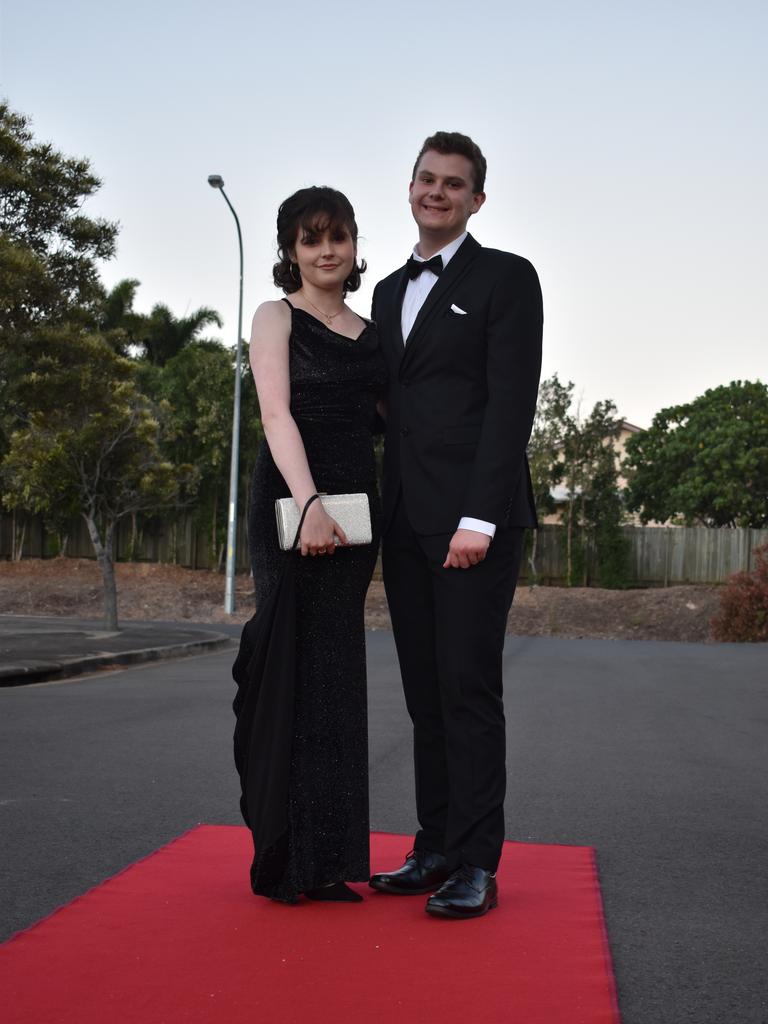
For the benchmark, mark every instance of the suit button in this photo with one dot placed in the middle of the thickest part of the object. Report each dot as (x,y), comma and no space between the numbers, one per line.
(404,431)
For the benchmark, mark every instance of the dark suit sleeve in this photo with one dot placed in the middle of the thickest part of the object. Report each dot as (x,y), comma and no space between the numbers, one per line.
(513,367)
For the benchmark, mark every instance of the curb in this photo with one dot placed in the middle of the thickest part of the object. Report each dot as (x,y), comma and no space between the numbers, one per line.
(44,671)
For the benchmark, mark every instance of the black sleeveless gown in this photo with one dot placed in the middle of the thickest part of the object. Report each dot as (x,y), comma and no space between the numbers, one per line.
(335,383)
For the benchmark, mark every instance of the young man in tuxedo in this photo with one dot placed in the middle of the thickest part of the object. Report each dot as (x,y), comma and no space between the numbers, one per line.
(460,329)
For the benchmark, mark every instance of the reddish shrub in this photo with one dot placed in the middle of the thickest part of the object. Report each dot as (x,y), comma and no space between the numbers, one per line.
(743,615)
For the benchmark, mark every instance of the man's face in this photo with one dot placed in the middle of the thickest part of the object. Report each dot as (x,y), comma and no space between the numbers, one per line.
(441,194)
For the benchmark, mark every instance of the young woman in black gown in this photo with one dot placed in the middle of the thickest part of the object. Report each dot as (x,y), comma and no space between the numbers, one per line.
(319,375)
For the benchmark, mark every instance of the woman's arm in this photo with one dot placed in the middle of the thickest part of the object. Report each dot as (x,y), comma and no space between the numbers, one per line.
(269,363)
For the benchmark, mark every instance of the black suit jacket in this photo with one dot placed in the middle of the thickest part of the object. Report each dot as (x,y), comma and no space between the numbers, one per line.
(462,392)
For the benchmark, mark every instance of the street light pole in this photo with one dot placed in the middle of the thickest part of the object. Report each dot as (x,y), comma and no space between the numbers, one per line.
(216,181)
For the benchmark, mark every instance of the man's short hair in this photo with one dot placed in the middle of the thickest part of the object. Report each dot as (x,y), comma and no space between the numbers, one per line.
(454,142)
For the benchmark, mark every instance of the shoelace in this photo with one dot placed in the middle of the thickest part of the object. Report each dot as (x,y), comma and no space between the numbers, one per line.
(418,855)
(466,875)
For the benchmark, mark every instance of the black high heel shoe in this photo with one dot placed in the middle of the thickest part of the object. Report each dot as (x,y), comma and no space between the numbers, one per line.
(338,892)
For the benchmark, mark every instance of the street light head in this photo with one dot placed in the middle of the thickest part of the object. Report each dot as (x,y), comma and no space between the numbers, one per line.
(215,181)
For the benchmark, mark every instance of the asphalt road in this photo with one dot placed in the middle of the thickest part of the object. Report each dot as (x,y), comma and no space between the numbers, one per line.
(654,753)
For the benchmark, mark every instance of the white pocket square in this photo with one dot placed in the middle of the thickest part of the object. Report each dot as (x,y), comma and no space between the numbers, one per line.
(458,309)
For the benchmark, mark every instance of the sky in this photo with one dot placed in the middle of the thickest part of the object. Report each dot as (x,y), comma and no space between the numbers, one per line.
(626,143)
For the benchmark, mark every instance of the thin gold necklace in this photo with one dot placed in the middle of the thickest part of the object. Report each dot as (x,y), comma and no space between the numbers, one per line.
(329,317)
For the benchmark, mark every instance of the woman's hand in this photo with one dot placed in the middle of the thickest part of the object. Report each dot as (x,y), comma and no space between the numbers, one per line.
(319,532)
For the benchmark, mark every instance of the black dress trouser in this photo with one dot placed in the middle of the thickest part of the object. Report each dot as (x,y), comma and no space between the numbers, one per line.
(449,627)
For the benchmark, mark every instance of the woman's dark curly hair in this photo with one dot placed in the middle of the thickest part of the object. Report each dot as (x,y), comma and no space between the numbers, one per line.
(312,210)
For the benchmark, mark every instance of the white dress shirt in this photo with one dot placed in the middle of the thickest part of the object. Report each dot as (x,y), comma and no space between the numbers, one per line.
(416,293)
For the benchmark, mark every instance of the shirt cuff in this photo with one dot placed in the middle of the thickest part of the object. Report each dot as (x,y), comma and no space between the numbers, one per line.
(478,525)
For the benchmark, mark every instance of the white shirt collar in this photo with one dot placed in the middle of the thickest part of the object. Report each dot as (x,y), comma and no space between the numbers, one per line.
(449,251)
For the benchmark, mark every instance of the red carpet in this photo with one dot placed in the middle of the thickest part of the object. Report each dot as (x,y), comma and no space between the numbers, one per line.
(178,937)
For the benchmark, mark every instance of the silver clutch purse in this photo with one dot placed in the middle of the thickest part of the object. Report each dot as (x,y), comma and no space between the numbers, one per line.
(351,511)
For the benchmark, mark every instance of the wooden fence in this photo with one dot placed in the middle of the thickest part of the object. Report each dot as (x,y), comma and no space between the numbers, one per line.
(659,556)
(178,542)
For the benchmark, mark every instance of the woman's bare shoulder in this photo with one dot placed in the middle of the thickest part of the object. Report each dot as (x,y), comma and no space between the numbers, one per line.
(270,317)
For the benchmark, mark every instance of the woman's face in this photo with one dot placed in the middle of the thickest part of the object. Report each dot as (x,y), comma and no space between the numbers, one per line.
(325,255)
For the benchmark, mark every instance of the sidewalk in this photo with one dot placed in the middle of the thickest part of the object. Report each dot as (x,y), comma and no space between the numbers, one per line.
(34,649)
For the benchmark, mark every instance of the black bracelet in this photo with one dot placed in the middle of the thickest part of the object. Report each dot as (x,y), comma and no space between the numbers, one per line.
(301,521)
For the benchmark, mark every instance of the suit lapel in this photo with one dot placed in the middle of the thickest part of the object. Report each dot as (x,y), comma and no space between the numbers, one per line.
(401,285)
(390,316)
(455,270)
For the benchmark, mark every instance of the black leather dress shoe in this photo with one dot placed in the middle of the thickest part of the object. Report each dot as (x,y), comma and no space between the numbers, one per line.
(422,872)
(469,892)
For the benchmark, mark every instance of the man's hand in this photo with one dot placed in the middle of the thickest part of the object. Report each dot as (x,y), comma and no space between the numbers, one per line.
(467,548)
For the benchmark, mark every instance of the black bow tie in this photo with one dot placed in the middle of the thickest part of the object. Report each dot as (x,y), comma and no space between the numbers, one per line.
(415,267)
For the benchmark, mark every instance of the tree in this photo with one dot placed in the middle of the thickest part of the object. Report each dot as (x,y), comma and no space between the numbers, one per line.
(545,447)
(48,250)
(550,425)
(604,514)
(89,440)
(117,320)
(198,386)
(705,461)
(594,509)
(163,336)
